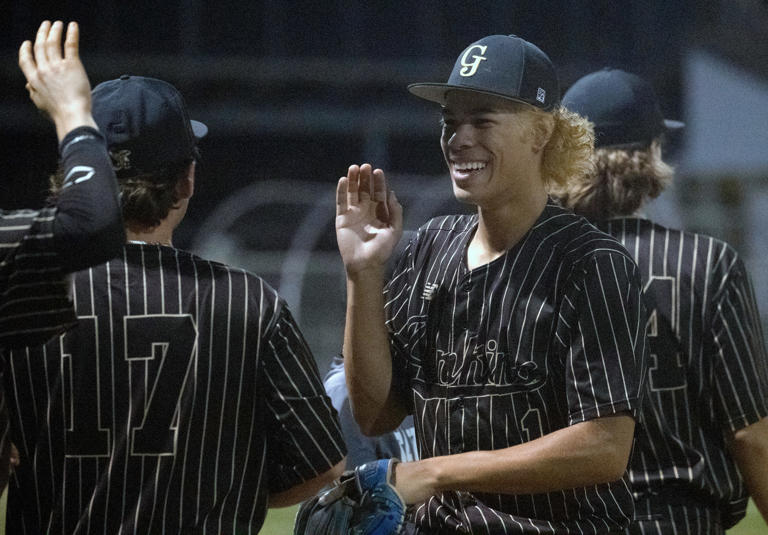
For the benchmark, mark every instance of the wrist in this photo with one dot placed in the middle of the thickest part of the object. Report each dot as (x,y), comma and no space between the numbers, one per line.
(366,273)
(372,269)
(416,481)
(69,119)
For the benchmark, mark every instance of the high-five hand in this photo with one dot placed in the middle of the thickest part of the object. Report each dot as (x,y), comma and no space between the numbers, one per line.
(369,220)
(56,80)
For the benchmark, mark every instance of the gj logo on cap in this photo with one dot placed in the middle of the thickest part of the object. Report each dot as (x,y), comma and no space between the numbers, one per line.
(469,69)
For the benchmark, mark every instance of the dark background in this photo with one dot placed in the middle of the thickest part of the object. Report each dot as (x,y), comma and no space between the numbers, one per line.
(293,92)
(296,88)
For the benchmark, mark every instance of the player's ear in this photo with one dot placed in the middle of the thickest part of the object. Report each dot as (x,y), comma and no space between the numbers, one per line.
(543,125)
(185,187)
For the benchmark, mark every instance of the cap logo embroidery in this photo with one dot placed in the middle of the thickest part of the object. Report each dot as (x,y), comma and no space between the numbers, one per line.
(470,68)
(541,95)
(120,159)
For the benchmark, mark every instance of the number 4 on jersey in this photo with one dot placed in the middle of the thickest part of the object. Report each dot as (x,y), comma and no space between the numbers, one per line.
(666,371)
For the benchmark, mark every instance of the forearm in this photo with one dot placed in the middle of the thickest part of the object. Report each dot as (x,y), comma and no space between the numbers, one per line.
(585,454)
(307,489)
(749,447)
(367,359)
(88,227)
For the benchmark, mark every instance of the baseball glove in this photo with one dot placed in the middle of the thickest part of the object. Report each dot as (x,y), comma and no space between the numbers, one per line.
(362,501)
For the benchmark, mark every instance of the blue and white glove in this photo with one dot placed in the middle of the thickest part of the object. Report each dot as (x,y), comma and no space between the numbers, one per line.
(363,501)
(382,507)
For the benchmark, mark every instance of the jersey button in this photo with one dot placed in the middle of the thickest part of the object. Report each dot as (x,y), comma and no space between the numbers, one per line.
(467,286)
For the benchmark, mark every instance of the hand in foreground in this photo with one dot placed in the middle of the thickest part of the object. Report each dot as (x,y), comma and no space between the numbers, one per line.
(56,81)
(369,220)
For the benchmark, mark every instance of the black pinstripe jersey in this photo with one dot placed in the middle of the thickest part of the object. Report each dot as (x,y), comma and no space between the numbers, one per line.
(550,334)
(708,374)
(34,303)
(185,395)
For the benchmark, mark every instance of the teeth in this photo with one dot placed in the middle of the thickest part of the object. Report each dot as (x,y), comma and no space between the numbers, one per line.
(468,166)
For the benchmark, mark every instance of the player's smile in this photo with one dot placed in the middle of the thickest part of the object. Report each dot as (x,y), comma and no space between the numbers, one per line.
(462,171)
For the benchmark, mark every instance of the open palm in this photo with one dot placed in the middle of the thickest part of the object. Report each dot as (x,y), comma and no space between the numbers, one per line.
(369,220)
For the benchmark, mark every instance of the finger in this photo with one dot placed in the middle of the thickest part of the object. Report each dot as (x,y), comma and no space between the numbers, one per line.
(341,196)
(380,192)
(53,42)
(379,186)
(39,46)
(27,61)
(72,42)
(395,211)
(366,184)
(353,177)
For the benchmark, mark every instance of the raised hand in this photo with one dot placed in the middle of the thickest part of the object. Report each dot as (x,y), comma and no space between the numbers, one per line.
(369,220)
(56,80)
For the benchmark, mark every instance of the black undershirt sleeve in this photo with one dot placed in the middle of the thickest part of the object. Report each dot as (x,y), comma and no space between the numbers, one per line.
(88,227)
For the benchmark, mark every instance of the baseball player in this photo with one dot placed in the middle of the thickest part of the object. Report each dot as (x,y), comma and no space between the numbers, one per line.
(514,336)
(186,400)
(84,227)
(706,449)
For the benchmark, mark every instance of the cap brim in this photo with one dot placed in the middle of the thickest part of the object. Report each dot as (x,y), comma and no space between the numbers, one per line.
(199,129)
(438,92)
(673,125)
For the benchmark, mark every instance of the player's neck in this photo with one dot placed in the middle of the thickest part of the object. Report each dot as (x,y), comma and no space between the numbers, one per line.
(162,234)
(499,229)
(159,235)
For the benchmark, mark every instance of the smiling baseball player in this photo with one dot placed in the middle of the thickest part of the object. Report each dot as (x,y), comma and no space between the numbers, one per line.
(515,336)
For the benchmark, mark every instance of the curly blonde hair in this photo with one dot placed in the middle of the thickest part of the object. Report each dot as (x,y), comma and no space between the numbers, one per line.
(569,151)
(623,180)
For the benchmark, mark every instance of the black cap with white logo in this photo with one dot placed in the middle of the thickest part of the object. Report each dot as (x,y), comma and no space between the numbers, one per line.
(146,124)
(500,65)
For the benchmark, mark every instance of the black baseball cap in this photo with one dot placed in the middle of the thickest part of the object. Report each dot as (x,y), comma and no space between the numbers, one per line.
(622,106)
(146,124)
(501,65)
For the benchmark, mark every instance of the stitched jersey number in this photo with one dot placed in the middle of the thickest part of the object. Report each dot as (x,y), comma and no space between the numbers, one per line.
(86,434)
(666,371)
(531,424)
(164,345)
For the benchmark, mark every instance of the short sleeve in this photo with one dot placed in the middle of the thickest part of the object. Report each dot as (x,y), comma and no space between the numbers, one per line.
(304,438)
(402,332)
(602,328)
(741,377)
